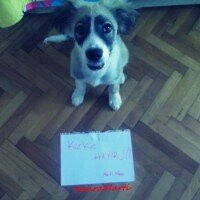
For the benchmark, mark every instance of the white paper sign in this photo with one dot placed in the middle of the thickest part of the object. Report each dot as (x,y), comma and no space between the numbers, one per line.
(96,158)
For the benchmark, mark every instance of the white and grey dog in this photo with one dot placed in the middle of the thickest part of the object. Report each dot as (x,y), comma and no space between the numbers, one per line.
(99,54)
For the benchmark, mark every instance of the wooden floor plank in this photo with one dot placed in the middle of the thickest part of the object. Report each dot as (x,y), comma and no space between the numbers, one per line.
(41,160)
(8,86)
(8,111)
(9,186)
(188,100)
(18,175)
(162,187)
(193,187)
(130,103)
(184,132)
(106,115)
(38,176)
(174,53)
(192,124)
(160,105)
(177,96)
(180,142)
(161,98)
(147,99)
(165,146)
(195,109)
(178,187)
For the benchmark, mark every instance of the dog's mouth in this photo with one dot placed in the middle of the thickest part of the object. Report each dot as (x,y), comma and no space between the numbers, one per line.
(95,66)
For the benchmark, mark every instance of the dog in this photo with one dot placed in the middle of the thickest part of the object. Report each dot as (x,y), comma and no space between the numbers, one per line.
(99,54)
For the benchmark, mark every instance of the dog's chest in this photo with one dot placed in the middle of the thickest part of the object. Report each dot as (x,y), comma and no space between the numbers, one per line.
(94,80)
(107,78)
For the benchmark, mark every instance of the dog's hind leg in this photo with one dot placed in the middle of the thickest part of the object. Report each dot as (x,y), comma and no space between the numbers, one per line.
(56,38)
(115,100)
(79,93)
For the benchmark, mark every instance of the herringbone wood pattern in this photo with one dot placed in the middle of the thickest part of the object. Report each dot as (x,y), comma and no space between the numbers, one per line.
(161,105)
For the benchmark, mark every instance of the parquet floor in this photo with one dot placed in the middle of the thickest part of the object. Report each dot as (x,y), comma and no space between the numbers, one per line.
(161,105)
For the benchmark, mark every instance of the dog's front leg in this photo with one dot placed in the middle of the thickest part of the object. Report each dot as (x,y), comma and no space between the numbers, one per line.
(79,93)
(56,38)
(115,100)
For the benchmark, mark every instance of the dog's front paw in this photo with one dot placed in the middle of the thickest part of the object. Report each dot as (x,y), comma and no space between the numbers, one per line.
(46,40)
(115,101)
(77,98)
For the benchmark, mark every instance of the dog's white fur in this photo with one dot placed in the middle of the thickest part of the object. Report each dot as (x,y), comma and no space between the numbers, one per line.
(112,72)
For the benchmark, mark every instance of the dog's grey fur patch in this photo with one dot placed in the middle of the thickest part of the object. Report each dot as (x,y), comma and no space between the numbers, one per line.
(85,25)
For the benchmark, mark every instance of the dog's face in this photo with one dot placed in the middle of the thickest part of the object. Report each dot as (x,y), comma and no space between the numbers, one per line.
(94,29)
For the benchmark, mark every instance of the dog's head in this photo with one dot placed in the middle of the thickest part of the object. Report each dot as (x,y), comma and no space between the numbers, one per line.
(95,28)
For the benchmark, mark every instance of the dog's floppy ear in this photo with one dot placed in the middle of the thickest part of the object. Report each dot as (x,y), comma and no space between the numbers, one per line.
(64,17)
(126,17)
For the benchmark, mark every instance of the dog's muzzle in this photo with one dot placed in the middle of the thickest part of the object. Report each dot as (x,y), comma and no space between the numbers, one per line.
(95,66)
(94,56)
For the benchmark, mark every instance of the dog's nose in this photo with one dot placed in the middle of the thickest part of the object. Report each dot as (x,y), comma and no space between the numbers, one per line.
(94,54)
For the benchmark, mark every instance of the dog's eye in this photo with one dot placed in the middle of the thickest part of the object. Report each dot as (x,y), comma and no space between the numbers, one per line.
(80,30)
(107,28)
